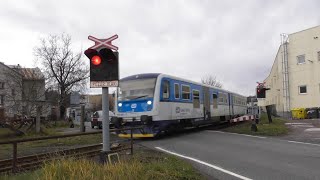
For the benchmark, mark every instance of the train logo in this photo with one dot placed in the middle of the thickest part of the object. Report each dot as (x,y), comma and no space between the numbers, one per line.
(177,110)
(133,106)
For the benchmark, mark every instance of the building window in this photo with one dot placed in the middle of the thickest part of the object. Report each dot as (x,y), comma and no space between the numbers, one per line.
(185,92)
(176,91)
(196,100)
(301,59)
(318,55)
(302,89)
(1,85)
(1,99)
(165,89)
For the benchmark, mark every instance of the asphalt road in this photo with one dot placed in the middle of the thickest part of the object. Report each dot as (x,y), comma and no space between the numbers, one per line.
(232,156)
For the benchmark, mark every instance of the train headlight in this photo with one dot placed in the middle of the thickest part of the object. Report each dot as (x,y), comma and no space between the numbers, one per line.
(120,104)
(149,102)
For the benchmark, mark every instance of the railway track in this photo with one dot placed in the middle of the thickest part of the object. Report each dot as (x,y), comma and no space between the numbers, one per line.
(31,162)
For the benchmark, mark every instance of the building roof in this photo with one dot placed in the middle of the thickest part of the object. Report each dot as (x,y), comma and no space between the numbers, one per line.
(28,73)
(305,30)
(10,68)
(32,73)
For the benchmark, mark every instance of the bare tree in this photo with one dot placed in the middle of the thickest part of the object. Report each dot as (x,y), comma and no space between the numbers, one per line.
(65,70)
(211,81)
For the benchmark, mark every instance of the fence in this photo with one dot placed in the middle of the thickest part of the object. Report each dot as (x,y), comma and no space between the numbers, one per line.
(14,160)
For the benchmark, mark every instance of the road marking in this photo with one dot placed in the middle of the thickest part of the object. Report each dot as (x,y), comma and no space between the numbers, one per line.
(298,123)
(312,129)
(297,142)
(238,134)
(204,163)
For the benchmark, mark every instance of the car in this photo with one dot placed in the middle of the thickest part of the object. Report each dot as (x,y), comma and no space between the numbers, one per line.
(96,119)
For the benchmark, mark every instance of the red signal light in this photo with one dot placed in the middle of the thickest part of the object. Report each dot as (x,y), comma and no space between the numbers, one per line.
(96,60)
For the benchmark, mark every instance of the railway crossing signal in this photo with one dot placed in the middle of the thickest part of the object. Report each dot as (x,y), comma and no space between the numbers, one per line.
(103,42)
(104,67)
(104,63)
(261,90)
(104,73)
(261,93)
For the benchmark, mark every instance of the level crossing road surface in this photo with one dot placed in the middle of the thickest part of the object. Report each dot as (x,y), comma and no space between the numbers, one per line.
(222,155)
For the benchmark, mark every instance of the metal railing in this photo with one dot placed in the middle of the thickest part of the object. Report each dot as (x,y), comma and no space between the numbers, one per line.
(17,141)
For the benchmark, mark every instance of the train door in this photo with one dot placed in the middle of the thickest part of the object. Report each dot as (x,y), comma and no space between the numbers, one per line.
(165,106)
(215,112)
(206,103)
(231,105)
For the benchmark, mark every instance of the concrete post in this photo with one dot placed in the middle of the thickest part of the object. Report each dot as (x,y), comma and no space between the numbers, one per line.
(82,127)
(253,123)
(38,122)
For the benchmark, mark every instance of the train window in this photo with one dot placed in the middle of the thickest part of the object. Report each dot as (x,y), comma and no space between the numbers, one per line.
(185,92)
(214,102)
(176,91)
(221,98)
(196,100)
(165,89)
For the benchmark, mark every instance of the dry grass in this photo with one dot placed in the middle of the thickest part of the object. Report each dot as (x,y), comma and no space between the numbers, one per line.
(47,145)
(5,132)
(144,165)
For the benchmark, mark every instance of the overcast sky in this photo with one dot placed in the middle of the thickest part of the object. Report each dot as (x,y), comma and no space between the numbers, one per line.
(236,41)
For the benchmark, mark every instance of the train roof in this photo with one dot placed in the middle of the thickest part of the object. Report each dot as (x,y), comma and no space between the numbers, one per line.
(156,75)
(140,76)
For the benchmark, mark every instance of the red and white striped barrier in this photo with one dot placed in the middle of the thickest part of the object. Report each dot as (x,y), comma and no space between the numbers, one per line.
(242,118)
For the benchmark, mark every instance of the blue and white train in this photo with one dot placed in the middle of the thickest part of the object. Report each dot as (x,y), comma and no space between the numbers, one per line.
(165,103)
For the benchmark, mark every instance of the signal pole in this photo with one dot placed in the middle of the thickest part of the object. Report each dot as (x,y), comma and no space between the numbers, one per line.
(105,121)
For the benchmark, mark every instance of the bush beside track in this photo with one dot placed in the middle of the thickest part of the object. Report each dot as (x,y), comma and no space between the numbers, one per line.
(276,128)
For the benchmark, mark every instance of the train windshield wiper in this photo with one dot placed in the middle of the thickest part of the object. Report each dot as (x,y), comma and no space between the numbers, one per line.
(138,97)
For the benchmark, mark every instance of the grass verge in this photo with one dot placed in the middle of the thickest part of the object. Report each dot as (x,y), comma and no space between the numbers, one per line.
(146,164)
(44,145)
(276,128)
(5,132)
(49,145)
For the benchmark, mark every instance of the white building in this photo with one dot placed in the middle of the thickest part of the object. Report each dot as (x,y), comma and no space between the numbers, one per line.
(294,79)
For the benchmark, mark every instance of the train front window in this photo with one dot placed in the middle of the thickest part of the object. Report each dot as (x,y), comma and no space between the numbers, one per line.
(136,89)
